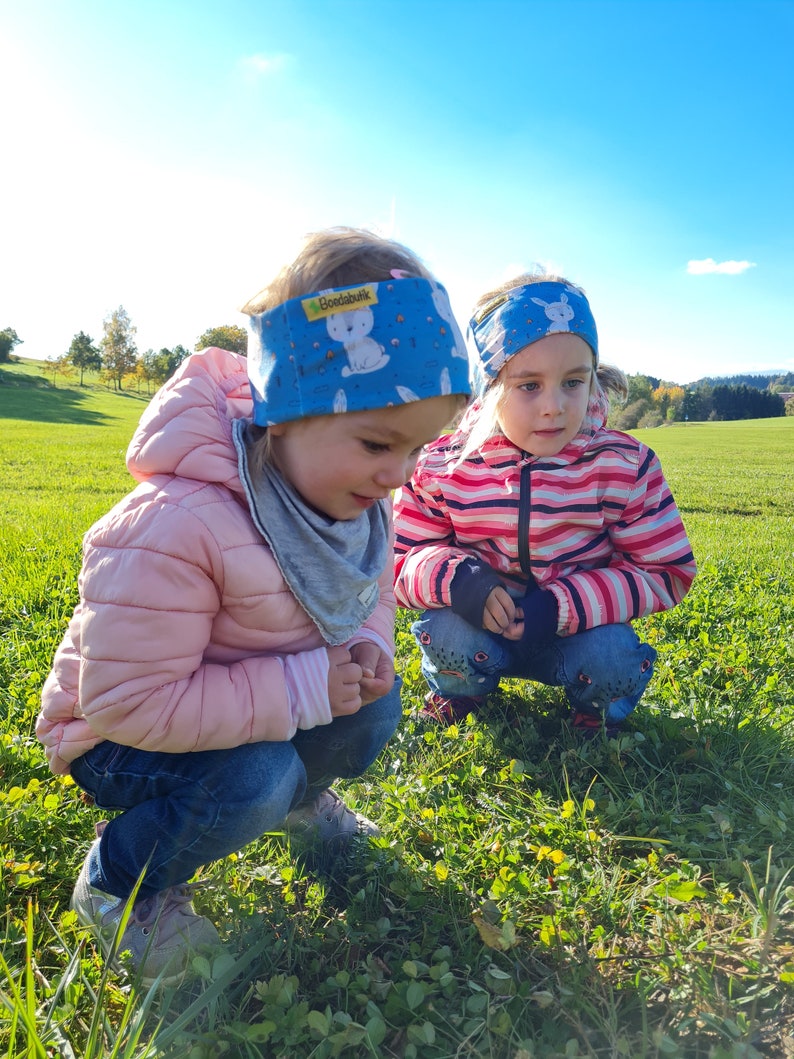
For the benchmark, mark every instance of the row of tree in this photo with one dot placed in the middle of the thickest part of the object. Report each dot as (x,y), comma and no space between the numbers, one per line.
(115,357)
(650,403)
(772,381)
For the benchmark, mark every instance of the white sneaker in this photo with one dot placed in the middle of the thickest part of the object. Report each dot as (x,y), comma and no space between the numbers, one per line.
(161,933)
(328,824)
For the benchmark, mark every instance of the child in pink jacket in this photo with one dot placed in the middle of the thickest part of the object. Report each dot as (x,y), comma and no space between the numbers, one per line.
(533,535)
(231,653)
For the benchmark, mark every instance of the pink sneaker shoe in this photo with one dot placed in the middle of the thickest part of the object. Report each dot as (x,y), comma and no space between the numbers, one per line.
(449,710)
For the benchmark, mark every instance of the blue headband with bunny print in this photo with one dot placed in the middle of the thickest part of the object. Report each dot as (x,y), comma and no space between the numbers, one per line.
(352,349)
(521,316)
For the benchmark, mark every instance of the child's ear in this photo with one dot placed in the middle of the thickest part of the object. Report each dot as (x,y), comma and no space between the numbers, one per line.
(276,430)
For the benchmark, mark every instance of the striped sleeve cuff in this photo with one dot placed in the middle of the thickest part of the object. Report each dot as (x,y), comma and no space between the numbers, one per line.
(306,676)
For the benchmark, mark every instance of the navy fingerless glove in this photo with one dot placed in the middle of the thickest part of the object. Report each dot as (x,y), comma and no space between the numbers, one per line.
(541,614)
(471,586)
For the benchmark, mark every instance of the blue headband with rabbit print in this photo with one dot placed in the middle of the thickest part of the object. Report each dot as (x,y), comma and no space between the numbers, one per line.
(524,315)
(352,349)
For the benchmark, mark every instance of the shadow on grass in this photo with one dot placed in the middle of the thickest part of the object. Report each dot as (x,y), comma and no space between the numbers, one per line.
(47,406)
(40,402)
(717,792)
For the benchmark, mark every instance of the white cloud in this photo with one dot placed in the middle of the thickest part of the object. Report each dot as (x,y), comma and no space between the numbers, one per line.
(727,268)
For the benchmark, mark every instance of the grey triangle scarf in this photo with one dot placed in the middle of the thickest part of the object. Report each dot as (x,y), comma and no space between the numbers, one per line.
(331,566)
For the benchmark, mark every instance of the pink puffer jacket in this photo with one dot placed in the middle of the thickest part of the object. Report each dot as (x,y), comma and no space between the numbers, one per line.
(186,636)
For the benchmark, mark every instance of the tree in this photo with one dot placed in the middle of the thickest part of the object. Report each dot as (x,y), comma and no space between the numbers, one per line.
(641,388)
(8,340)
(119,352)
(628,418)
(60,366)
(650,420)
(696,405)
(170,359)
(83,354)
(783,383)
(668,398)
(162,365)
(147,366)
(138,376)
(746,402)
(228,336)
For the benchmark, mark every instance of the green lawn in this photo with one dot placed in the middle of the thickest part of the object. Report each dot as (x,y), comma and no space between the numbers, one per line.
(531,896)
(735,485)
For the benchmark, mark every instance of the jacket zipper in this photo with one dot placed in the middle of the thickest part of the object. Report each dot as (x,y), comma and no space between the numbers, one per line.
(524,499)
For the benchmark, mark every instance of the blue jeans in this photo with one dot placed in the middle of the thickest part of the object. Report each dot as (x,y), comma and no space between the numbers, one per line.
(605,669)
(180,811)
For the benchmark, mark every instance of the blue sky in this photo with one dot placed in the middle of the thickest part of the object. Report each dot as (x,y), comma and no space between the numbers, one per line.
(168,156)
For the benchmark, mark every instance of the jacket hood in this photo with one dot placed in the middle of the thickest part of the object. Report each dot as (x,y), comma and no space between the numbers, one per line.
(186,429)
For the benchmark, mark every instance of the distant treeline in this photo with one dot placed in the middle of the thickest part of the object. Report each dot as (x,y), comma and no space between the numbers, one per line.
(652,402)
(776,382)
(115,358)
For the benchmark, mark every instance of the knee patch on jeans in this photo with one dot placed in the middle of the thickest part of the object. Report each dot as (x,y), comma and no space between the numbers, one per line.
(458,659)
(609,666)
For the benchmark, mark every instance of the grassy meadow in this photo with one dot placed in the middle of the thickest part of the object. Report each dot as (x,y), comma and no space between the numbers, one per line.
(531,896)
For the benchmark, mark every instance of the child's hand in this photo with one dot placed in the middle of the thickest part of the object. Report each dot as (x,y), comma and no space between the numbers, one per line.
(501,615)
(344,682)
(377,669)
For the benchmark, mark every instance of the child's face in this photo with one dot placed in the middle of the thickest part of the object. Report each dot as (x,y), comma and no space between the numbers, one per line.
(547,387)
(342,464)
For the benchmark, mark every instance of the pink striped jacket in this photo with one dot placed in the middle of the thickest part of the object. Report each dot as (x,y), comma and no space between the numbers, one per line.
(596,525)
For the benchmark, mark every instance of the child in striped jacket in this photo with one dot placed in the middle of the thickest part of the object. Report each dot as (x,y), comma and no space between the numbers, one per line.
(533,535)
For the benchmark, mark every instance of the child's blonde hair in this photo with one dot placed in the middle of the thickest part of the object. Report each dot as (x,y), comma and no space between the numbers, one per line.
(334,257)
(611,381)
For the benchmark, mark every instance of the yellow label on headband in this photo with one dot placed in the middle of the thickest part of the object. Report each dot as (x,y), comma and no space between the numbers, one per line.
(339,301)
(489,307)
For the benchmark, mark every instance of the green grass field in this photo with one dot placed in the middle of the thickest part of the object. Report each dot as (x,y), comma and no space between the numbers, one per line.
(531,896)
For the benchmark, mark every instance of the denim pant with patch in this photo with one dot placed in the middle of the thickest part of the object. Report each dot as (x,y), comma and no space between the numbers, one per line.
(605,669)
(186,810)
